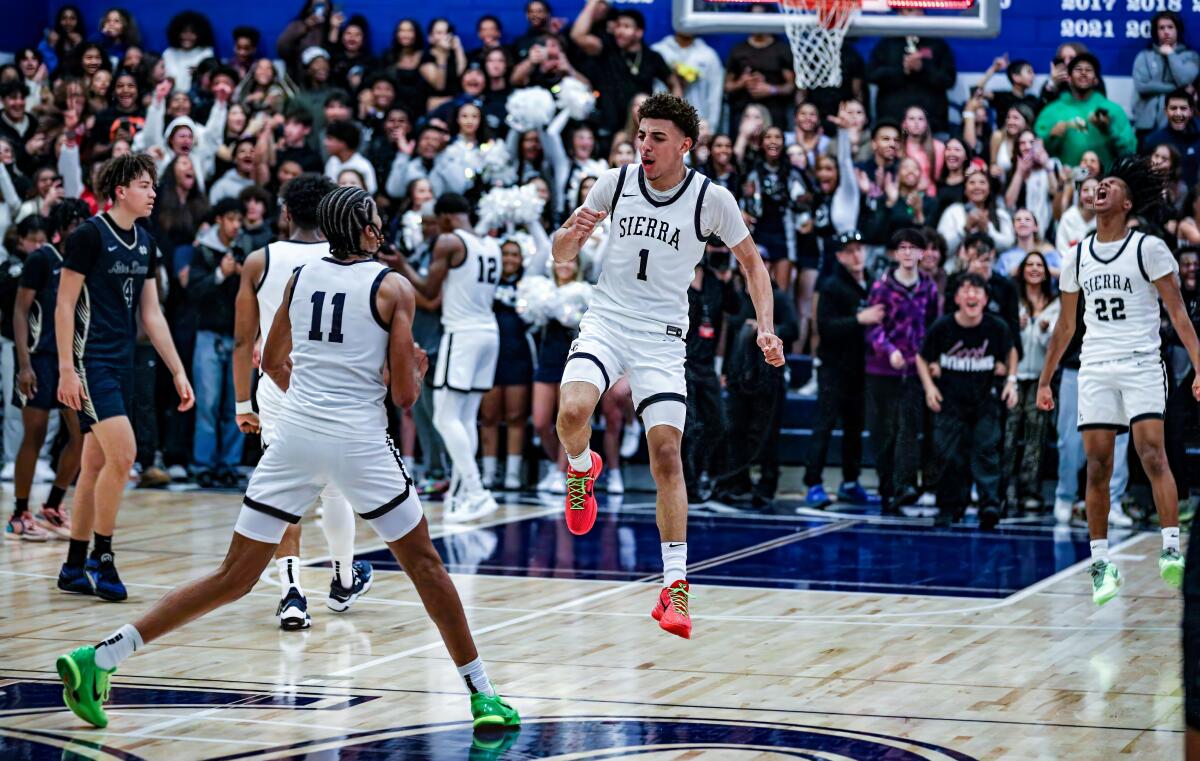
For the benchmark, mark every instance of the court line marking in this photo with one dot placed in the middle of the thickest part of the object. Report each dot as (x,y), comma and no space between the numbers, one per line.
(576,602)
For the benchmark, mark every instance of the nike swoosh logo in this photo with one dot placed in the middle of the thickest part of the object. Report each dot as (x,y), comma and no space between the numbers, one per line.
(676,544)
(112,248)
(628,195)
(95,693)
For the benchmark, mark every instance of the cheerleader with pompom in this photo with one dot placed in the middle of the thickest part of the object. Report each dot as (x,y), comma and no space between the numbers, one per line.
(569,167)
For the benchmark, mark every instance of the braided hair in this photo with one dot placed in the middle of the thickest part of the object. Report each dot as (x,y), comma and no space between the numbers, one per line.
(1145,187)
(343,215)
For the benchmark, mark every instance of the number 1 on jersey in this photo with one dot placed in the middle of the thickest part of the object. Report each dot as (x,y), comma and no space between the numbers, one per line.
(644,256)
(335,330)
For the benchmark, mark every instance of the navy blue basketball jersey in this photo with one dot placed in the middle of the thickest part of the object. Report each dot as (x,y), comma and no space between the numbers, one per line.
(42,270)
(115,264)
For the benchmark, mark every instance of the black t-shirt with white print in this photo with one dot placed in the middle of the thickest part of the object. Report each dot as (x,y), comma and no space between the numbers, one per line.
(967,357)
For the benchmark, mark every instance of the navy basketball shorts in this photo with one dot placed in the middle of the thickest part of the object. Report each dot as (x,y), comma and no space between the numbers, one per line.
(108,392)
(45,395)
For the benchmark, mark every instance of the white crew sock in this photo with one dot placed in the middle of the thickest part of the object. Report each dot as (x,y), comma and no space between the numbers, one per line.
(337,522)
(582,462)
(121,644)
(514,465)
(674,557)
(489,468)
(289,575)
(476,677)
(1100,549)
(1171,538)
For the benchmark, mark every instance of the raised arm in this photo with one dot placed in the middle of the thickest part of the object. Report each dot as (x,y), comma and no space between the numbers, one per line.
(581,30)
(245,333)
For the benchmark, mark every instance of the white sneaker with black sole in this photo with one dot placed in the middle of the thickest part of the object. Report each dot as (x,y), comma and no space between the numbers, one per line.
(340,598)
(293,611)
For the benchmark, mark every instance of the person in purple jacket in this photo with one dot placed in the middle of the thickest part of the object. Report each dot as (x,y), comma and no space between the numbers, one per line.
(894,395)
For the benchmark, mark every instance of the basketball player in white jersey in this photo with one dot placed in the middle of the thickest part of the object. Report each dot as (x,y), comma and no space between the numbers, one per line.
(661,215)
(1120,274)
(345,325)
(265,274)
(464,270)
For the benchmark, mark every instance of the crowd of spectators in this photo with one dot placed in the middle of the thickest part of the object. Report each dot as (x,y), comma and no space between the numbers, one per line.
(908,237)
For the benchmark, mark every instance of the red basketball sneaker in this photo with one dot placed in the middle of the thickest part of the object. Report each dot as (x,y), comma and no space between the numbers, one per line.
(671,613)
(581,497)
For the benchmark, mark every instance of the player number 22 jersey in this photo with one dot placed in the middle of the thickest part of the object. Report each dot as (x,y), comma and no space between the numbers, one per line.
(1115,281)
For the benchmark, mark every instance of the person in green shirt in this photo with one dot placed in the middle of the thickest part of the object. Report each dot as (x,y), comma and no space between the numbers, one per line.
(1082,119)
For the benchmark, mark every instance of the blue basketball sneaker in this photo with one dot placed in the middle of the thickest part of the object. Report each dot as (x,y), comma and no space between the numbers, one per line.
(852,493)
(817,497)
(75,580)
(341,598)
(103,572)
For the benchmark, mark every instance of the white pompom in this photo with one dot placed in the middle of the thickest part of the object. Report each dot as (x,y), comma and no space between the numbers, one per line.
(500,207)
(575,97)
(572,301)
(536,299)
(497,164)
(529,108)
(410,230)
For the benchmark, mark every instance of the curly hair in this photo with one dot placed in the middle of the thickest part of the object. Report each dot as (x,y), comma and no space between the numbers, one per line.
(343,215)
(1145,187)
(199,24)
(675,110)
(122,171)
(302,195)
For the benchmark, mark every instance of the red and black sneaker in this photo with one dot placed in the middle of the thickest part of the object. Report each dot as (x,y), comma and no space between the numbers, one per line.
(671,613)
(581,497)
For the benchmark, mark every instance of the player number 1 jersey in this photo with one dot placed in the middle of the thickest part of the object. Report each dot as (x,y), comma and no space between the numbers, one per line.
(654,245)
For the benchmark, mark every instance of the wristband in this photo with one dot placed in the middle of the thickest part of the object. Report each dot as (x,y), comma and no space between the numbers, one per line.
(1011,379)
(244,408)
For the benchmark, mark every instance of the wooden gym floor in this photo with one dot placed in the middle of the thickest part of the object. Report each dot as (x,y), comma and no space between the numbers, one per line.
(818,636)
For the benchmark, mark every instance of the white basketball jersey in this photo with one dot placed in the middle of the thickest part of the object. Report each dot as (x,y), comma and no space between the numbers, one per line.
(282,259)
(470,288)
(1115,281)
(652,250)
(339,349)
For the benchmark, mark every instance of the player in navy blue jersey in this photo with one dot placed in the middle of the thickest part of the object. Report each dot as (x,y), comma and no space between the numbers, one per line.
(37,371)
(107,279)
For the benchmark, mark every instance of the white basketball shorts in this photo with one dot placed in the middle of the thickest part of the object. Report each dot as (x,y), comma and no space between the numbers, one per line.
(1115,395)
(466,360)
(299,463)
(605,351)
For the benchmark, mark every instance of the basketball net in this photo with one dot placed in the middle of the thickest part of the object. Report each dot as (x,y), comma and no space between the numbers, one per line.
(816,30)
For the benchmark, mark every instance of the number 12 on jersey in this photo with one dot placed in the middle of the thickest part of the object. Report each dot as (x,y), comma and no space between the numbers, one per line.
(335,329)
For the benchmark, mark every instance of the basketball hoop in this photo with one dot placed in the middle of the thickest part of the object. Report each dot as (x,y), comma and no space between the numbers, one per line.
(816,29)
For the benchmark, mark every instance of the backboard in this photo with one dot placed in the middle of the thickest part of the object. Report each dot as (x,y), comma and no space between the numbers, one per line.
(878,18)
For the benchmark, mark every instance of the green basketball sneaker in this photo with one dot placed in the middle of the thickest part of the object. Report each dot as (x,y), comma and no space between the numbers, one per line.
(492,711)
(85,685)
(1106,580)
(1170,567)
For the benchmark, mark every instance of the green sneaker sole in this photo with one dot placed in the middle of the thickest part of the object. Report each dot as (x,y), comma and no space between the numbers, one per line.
(1101,599)
(72,680)
(1172,573)
(494,720)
